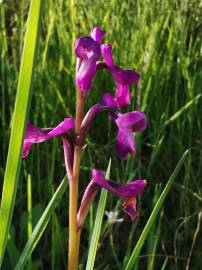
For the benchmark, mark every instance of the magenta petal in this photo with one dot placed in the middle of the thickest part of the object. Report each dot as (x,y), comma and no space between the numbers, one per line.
(86,47)
(85,72)
(132,121)
(106,50)
(132,189)
(125,144)
(108,100)
(126,77)
(37,135)
(122,95)
(97,34)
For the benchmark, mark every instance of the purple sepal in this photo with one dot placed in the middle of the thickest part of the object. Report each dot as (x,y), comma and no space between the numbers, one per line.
(38,135)
(87,51)
(109,100)
(132,189)
(97,34)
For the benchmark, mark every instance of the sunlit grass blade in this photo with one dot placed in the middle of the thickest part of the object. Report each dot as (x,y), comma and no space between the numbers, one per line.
(41,225)
(183,109)
(19,121)
(98,225)
(154,214)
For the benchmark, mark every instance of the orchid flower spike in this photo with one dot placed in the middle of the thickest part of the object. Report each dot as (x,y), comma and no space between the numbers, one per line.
(128,192)
(87,50)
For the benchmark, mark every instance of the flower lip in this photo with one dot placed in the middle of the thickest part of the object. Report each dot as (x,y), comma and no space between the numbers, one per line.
(86,48)
(135,121)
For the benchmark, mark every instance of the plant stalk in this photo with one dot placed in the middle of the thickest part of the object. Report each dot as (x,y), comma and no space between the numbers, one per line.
(74,234)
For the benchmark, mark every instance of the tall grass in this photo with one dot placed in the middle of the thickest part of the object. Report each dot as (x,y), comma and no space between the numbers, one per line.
(161,40)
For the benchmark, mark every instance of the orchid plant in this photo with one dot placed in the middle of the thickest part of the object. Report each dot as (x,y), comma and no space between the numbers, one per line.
(92,56)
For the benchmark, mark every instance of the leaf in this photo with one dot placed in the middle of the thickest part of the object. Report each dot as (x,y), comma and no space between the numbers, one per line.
(21,111)
(98,225)
(154,214)
(41,225)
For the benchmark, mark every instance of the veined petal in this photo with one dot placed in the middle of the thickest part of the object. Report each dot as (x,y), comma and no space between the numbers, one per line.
(97,34)
(37,135)
(135,121)
(125,77)
(125,144)
(132,189)
(122,95)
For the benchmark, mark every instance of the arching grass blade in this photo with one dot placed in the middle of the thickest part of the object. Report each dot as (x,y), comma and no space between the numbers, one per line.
(154,214)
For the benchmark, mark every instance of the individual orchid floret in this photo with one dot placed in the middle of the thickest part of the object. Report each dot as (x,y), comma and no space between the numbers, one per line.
(126,191)
(35,135)
(128,123)
(87,50)
(124,78)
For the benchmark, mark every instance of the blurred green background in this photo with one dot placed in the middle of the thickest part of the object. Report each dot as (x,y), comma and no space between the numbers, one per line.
(162,40)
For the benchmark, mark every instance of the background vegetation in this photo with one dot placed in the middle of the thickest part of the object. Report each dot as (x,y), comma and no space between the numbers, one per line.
(162,41)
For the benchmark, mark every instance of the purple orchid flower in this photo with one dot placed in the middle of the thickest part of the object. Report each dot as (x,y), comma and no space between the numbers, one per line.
(37,135)
(127,191)
(124,78)
(87,50)
(127,123)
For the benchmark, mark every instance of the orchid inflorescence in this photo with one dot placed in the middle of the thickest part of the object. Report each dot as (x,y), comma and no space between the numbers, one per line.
(92,56)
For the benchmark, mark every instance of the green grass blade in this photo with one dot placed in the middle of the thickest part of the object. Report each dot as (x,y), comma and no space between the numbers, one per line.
(41,225)
(97,226)
(19,121)
(183,109)
(154,214)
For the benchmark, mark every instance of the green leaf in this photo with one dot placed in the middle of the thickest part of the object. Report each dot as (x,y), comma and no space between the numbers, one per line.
(41,225)
(153,216)
(97,226)
(19,121)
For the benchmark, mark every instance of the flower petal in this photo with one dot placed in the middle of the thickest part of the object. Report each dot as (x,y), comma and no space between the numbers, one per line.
(97,34)
(106,50)
(122,95)
(37,135)
(129,207)
(125,144)
(132,189)
(126,77)
(86,47)
(135,121)
(108,100)
(127,191)
(87,51)
(85,72)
